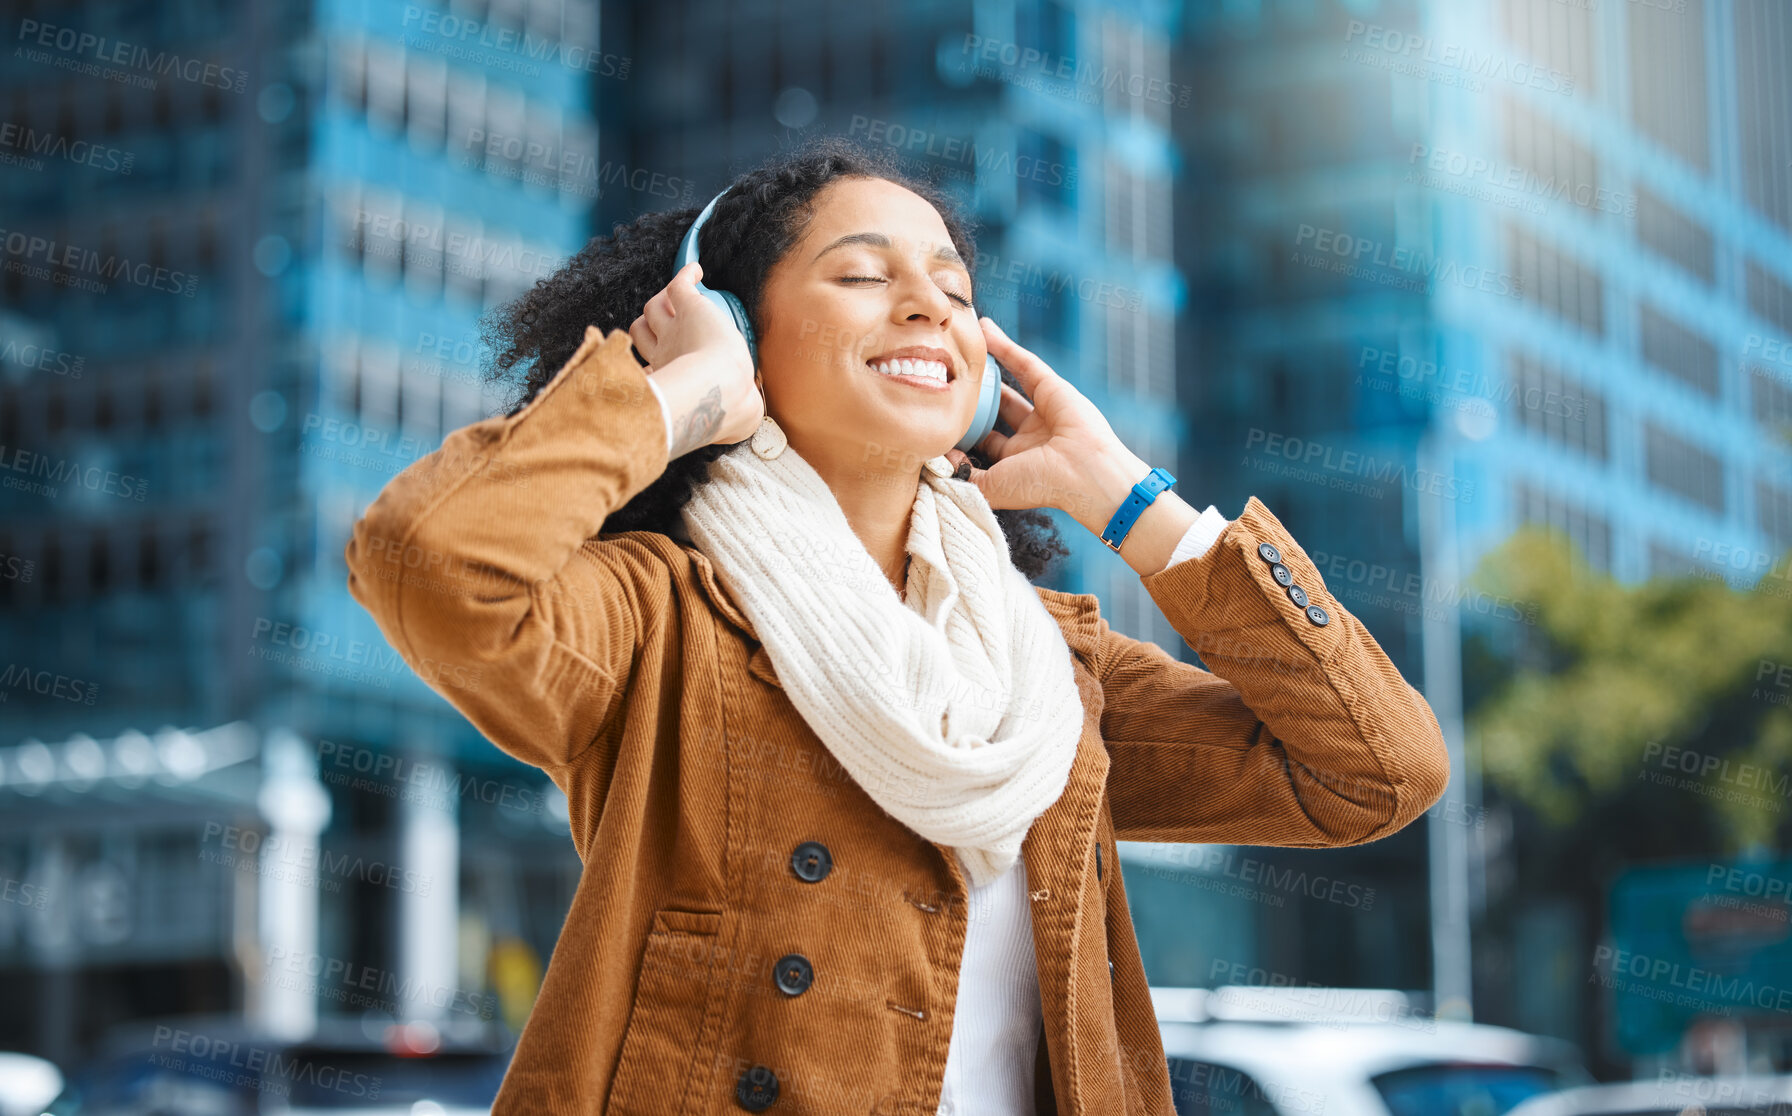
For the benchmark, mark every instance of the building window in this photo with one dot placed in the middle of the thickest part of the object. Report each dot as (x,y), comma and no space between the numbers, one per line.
(1770,399)
(348,74)
(1124,349)
(1674,236)
(1140,358)
(426,98)
(1137,212)
(1677,350)
(1667,95)
(466,116)
(201,561)
(1676,465)
(149,557)
(99,564)
(1049,26)
(1135,70)
(1589,532)
(1049,313)
(507,129)
(1558,35)
(1556,407)
(1122,211)
(1773,511)
(1763,90)
(1770,299)
(1049,167)
(385,88)
(1556,281)
(379,396)
(422,248)
(465,276)
(1560,167)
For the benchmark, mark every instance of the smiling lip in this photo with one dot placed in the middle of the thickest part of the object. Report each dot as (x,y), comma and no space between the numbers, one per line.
(918,352)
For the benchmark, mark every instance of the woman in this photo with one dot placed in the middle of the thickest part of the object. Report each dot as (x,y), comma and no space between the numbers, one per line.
(846,785)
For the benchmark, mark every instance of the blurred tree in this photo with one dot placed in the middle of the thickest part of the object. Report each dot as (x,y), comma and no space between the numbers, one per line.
(1622,724)
(1664,703)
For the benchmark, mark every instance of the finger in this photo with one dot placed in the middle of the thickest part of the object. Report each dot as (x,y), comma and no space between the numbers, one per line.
(1014,407)
(658,312)
(998,496)
(643,337)
(684,284)
(970,474)
(1027,368)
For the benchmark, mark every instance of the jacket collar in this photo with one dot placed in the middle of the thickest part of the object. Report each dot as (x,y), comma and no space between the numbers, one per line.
(1076,613)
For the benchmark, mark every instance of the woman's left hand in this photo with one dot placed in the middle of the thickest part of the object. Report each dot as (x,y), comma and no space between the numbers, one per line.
(1062,454)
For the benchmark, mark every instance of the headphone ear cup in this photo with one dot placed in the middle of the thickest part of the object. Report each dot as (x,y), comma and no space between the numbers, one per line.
(989,405)
(741,322)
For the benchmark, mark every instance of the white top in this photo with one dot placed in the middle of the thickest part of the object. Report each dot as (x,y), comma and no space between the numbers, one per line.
(995,1025)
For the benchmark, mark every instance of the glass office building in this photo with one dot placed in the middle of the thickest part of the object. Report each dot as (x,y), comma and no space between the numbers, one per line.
(244,249)
(1460,267)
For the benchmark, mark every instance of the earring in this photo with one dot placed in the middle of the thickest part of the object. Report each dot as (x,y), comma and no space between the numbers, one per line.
(769,440)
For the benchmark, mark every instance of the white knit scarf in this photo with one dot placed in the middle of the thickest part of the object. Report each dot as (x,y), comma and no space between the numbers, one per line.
(954,709)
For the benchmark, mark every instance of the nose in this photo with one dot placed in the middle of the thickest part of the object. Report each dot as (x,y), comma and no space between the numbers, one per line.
(919,299)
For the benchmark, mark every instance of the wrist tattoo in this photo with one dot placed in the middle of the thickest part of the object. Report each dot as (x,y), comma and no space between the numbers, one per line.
(698,426)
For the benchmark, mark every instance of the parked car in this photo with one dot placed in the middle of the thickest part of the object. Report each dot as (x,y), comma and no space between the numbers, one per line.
(199,1068)
(1671,1093)
(27,1083)
(1249,1051)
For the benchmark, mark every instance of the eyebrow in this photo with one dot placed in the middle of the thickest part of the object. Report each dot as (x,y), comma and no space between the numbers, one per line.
(945,253)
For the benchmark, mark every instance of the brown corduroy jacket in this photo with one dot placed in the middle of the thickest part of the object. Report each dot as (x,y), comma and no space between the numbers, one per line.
(749,926)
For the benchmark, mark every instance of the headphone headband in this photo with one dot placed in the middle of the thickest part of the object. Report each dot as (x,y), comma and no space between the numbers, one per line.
(726,300)
(687,248)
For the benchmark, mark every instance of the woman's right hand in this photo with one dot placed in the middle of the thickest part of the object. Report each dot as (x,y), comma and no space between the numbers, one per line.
(700,363)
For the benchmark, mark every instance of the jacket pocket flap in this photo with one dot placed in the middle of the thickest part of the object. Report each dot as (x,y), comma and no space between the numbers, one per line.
(687,922)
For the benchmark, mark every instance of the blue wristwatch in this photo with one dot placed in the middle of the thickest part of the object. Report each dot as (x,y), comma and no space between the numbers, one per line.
(1143,493)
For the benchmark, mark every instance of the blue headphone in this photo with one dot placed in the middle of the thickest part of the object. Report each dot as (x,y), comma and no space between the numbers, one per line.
(989,397)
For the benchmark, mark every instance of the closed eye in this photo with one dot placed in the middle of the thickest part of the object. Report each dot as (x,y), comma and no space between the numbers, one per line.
(953,295)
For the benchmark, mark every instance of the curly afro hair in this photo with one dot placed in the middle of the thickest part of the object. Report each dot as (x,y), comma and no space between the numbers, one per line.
(758,219)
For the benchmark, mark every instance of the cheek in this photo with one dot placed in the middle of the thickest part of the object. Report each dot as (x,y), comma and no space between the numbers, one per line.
(831,332)
(972,345)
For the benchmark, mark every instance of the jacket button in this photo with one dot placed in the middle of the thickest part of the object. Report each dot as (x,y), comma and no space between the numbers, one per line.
(1110,971)
(1269,553)
(811,862)
(1098,860)
(1282,575)
(1317,615)
(756,1089)
(793,974)
(1297,595)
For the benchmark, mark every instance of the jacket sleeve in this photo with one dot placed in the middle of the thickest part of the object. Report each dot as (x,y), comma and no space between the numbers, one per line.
(1303,734)
(480,563)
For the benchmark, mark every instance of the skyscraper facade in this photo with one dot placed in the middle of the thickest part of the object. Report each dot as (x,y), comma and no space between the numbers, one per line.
(246,249)
(1460,267)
